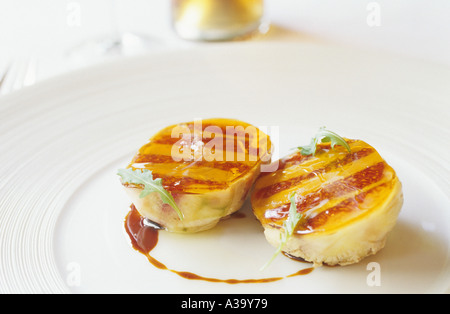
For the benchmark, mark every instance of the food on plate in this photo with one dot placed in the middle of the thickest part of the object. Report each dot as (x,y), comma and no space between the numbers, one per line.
(191,175)
(331,202)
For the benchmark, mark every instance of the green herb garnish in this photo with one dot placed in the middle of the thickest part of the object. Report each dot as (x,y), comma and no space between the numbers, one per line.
(289,227)
(145,178)
(323,136)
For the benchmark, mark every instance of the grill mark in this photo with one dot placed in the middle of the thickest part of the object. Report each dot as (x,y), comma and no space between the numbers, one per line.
(228,144)
(293,160)
(169,140)
(222,127)
(221,165)
(217,130)
(180,184)
(290,161)
(278,187)
(240,136)
(298,158)
(336,189)
(346,206)
(238,159)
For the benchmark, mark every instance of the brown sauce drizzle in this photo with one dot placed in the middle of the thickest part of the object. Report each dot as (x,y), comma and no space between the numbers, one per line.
(144,238)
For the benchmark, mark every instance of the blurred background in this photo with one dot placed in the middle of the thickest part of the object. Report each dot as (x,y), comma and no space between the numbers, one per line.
(41,39)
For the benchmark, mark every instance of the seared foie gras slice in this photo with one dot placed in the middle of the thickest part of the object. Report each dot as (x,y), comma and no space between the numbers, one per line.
(208,166)
(349,203)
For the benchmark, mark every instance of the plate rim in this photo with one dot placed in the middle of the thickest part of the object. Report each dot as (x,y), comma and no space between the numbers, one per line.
(68,78)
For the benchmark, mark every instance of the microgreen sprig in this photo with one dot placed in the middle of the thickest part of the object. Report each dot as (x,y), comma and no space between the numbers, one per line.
(145,178)
(323,136)
(289,225)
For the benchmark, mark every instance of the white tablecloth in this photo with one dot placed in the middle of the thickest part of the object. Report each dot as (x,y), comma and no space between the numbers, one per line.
(47,29)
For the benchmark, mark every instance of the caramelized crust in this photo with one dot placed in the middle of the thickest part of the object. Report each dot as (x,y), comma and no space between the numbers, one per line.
(208,169)
(208,166)
(333,187)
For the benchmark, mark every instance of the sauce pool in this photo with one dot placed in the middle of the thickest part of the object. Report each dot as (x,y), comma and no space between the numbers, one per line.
(144,238)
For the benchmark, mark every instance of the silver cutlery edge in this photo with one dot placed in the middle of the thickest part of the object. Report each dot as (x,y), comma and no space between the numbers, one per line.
(17,75)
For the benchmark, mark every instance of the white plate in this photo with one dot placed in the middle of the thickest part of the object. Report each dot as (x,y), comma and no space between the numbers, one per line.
(62,207)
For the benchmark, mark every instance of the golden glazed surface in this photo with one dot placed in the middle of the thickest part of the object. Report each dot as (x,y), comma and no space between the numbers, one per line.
(214,154)
(208,166)
(334,188)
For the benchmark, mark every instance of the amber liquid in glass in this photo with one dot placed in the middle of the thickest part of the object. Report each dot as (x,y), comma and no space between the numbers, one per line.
(212,20)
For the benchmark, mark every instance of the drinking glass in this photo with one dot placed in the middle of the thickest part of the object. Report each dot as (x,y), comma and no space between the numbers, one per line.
(218,20)
(115,43)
